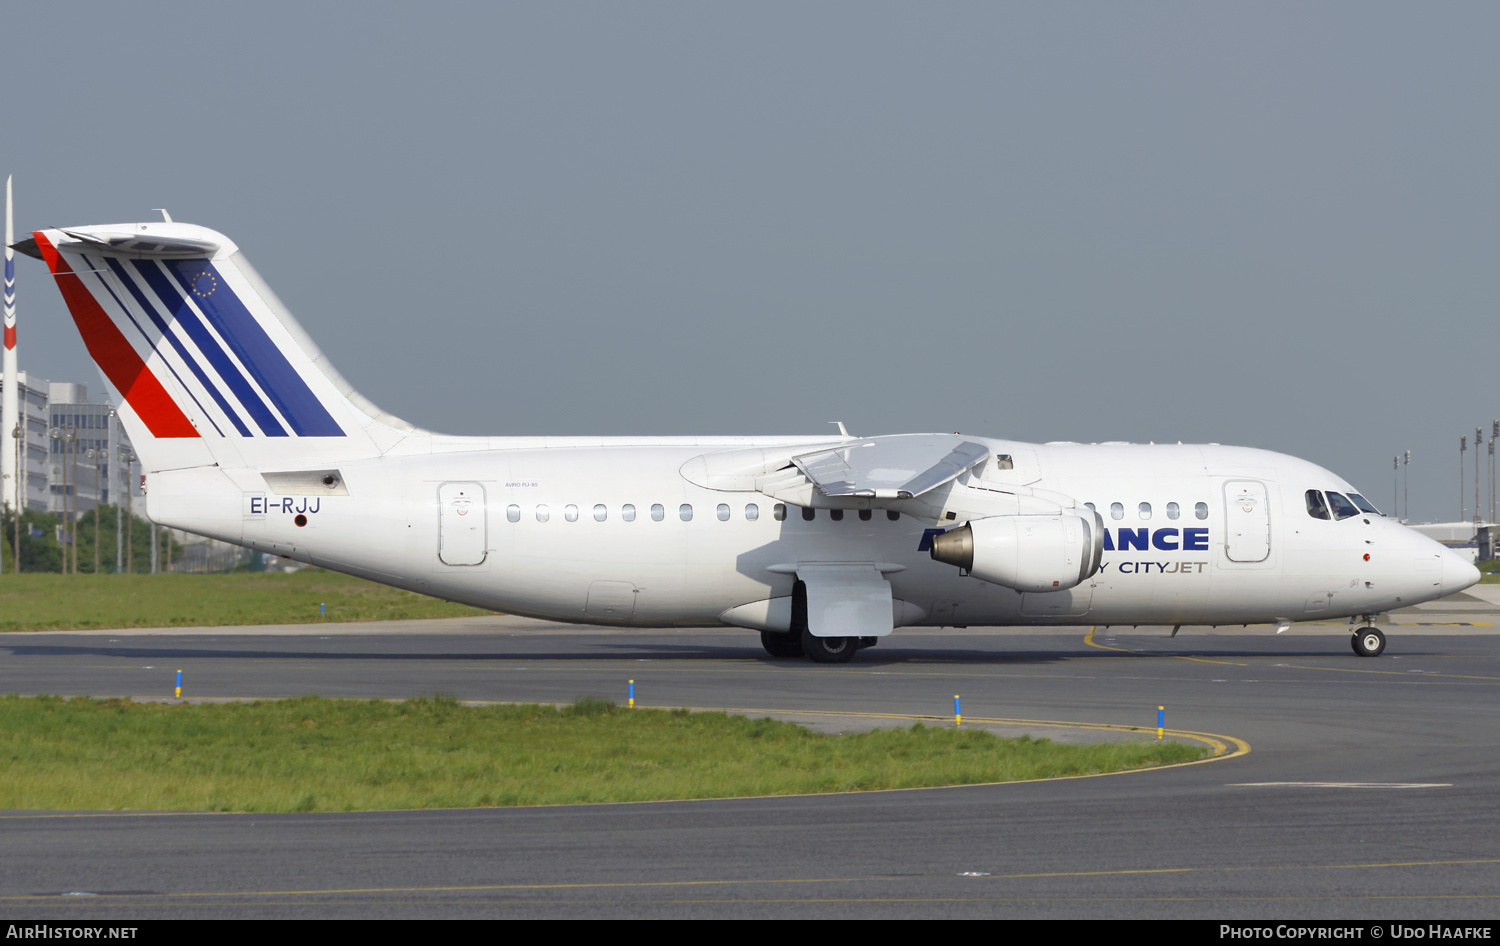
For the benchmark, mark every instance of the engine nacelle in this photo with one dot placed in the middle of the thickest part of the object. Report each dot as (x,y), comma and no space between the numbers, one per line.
(1027,553)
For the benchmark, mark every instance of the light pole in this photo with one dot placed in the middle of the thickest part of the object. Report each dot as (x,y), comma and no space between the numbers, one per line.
(1463,446)
(1406,485)
(56,434)
(127,458)
(71,438)
(98,457)
(114,420)
(119,534)
(1478,442)
(19,436)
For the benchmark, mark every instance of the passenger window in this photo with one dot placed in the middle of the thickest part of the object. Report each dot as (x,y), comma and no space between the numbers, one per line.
(864,515)
(1201,510)
(627,512)
(1116,511)
(570,512)
(1091,507)
(1144,509)
(837,515)
(752,512)
(1316,507)
(513,513)
(658,512)
(542,515)
(600,513)
(723,512)
(1173,511)
(778,512)
(685,512)
(809,513)
(1342,507)
(893,515)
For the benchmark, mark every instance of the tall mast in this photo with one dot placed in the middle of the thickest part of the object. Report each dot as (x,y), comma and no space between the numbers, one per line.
(10,417)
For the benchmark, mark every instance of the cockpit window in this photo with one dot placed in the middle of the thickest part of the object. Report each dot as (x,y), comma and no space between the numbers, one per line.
(1342,507)
(1364,504)
(1315,505)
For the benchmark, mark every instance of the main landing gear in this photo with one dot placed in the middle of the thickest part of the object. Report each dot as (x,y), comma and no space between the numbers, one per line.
(1368,642)
(821,650)
(828,650)
(781,645)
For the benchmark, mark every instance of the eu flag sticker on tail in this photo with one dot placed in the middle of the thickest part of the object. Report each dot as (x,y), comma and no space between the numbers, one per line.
(306,415)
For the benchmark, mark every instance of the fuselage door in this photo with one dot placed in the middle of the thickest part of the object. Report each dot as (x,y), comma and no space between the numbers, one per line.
(1247,515)
(461,527)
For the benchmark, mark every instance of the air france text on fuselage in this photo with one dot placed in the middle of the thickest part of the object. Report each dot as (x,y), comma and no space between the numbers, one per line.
(1165,539)
(1169,539)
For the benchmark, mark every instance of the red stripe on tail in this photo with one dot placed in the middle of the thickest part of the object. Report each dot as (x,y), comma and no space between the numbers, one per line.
(114,355)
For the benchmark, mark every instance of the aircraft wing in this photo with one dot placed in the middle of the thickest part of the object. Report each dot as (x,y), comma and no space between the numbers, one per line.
(894,467)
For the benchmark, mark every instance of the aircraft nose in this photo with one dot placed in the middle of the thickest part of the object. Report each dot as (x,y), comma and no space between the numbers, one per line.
(1458,573)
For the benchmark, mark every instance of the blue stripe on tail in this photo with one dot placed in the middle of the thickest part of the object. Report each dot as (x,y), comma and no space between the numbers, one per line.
(177,305)
(176,342)
(255,349)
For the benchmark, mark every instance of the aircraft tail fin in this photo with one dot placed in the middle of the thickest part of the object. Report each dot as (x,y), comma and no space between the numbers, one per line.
(209,366)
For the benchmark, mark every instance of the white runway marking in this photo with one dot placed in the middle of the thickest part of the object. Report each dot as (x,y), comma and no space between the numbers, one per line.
(1339,785)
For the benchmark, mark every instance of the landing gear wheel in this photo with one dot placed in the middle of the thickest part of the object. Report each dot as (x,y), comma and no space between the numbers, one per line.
(828,650)
(781,645)
(1369,642)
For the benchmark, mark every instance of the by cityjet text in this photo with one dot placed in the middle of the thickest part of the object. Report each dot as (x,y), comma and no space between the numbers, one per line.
(43,931)
(1379,931)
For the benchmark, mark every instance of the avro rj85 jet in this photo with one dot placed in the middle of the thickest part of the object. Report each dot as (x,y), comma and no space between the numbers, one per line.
(823,544)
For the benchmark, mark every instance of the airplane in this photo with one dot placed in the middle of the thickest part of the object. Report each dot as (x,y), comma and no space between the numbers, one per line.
(823,544)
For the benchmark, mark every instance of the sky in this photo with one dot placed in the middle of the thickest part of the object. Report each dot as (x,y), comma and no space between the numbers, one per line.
(1270,224)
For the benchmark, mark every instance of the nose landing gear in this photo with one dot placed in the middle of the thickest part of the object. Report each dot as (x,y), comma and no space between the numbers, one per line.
(1368,642)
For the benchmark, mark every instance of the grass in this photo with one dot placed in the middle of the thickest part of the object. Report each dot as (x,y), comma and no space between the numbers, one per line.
(315,754)
(35,602)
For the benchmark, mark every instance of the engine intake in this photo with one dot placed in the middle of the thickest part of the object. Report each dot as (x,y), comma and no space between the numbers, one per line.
(1027,553)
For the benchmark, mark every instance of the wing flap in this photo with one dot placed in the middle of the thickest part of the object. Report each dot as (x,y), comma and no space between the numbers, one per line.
(890,468)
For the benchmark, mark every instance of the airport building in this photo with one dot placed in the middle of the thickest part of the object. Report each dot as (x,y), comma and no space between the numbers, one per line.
(74,448)
(90,455)
(35,448)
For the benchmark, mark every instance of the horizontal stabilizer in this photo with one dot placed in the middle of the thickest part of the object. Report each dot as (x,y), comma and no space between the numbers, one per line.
(137,244)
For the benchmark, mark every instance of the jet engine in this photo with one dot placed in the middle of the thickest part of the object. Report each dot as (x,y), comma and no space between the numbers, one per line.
(1027,553)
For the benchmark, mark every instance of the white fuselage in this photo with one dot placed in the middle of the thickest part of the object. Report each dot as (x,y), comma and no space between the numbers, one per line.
(247,434)
(587,563)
